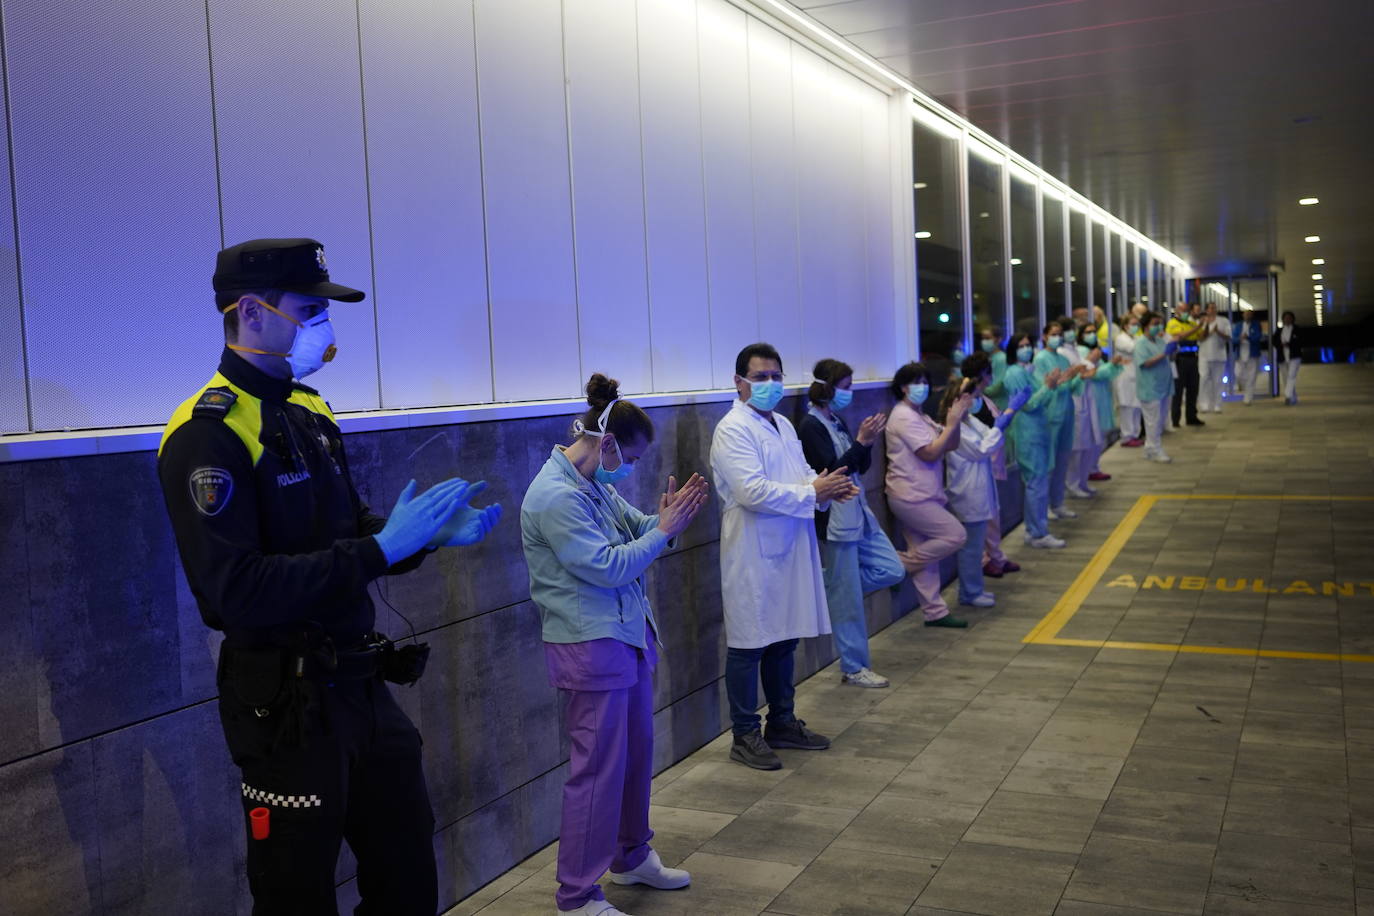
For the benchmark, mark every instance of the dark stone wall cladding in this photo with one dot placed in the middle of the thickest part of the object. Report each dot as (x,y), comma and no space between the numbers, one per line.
(119,794)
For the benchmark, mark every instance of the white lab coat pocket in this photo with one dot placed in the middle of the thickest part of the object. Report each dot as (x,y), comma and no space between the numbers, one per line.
(776,534)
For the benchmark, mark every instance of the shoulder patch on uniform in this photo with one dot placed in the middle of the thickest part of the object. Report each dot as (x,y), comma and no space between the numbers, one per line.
(211,489)
(214,402)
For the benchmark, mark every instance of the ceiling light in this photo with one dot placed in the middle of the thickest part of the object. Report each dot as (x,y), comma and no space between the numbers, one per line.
(1318,286)
(1319,260)
(1307,201)
(1316,276)
(923,235)
(1313,238)
(1015,262)
(920,185)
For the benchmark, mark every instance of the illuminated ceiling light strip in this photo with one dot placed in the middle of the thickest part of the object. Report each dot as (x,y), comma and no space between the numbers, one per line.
(1307,201)
(983,151)
(937,123)
(1313,238)
(931,107)
(1319,260)
(1023,173)
(1317,277)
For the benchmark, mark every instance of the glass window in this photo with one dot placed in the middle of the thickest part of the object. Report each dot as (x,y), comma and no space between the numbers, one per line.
(1078,259)
(939,242)
(1056,272)
(1142,292)
(1118,287)
(1103,255)
(987,260)
(1025,264)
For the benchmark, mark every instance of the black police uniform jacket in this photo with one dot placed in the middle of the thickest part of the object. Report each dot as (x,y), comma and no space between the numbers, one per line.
(271,531)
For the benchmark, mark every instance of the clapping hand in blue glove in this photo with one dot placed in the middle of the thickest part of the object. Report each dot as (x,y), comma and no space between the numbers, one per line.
(1171,347)
(415,520)
(468,525)
(1019,399)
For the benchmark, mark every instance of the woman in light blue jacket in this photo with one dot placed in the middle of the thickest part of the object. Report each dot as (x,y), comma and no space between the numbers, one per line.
(587,550)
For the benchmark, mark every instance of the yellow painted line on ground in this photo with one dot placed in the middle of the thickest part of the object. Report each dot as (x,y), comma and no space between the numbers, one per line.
(1087,580)
(1046,632)
(1203,650)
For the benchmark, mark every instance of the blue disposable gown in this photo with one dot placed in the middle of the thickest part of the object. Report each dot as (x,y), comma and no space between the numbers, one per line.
(1029,432)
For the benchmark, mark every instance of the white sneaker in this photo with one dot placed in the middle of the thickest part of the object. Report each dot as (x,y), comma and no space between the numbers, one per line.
(865,677)
(1058,512)
(1047,542)
(593,908)
(1160,457)
(1081,492)
(652,873)
(986,599)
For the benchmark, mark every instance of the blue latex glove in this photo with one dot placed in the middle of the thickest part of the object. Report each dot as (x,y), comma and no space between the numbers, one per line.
(468,525)
(1003,420)
(417,519)
(1171,348)
(1019,399)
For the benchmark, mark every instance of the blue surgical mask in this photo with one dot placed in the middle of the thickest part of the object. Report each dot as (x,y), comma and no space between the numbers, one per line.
(842,399)
(1053,341)
(765,396)
(917,392)
(1025,354)
(988,345)
(1133,330)
(604,476)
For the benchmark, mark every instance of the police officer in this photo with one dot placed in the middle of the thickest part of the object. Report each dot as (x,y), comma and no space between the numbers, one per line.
(279,550)
(1188,333)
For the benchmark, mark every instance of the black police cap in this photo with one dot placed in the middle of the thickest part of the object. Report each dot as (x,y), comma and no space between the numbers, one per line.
(293,265)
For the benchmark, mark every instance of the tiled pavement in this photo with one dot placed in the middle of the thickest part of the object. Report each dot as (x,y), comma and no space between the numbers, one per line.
(997,777)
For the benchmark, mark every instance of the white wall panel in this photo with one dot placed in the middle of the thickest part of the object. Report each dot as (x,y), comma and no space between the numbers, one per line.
(608,190)
(887,346)
(115,184)
(833,294)
(288,105)
(14,402)
(675,212)
(528,204)
(727,167)
(425,183)
(775,193)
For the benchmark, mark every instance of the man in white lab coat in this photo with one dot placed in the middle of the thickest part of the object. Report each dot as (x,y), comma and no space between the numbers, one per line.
(770,565)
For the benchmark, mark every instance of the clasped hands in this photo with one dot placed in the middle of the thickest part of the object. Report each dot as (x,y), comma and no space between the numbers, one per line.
(679,505)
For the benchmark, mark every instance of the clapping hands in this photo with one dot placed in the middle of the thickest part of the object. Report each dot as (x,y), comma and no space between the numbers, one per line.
(871,428)
(679,505)
(468,525)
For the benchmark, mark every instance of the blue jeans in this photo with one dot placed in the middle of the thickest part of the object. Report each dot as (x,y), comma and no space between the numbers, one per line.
(969,560)
(852,569)
(1035,510)
(879,565)
(742,670)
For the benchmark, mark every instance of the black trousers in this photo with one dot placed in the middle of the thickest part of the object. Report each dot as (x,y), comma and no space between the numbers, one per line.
(355,776)
(1185,387)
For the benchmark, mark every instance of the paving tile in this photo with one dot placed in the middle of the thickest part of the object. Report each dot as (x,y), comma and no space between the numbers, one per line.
(1284,869)
(1263,726)
(999,879)
(867,738)
(1178,770)
(1222,905)
(924,828)
(1161,816)
(1043,822)
(1095,735)
(777,832)
(1293,811)
(726,885)
(836,782)
(1122,872)
(1278,764)
(726,786)
(844,882)
(1191,732)
(1063,773)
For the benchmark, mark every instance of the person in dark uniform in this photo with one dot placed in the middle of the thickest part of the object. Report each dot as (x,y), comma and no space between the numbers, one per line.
(279,551)
(1188,333)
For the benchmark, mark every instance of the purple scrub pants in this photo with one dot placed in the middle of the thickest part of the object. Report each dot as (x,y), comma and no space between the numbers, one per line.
(609,689)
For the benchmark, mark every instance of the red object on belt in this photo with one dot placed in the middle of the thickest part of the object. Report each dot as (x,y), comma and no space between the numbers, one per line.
(260,818)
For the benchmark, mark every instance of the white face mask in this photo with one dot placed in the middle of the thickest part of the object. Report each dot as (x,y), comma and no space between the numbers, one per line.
(312,347)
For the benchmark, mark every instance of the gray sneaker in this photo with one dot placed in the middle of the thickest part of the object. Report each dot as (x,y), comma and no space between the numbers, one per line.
(751,750)
(795,734)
